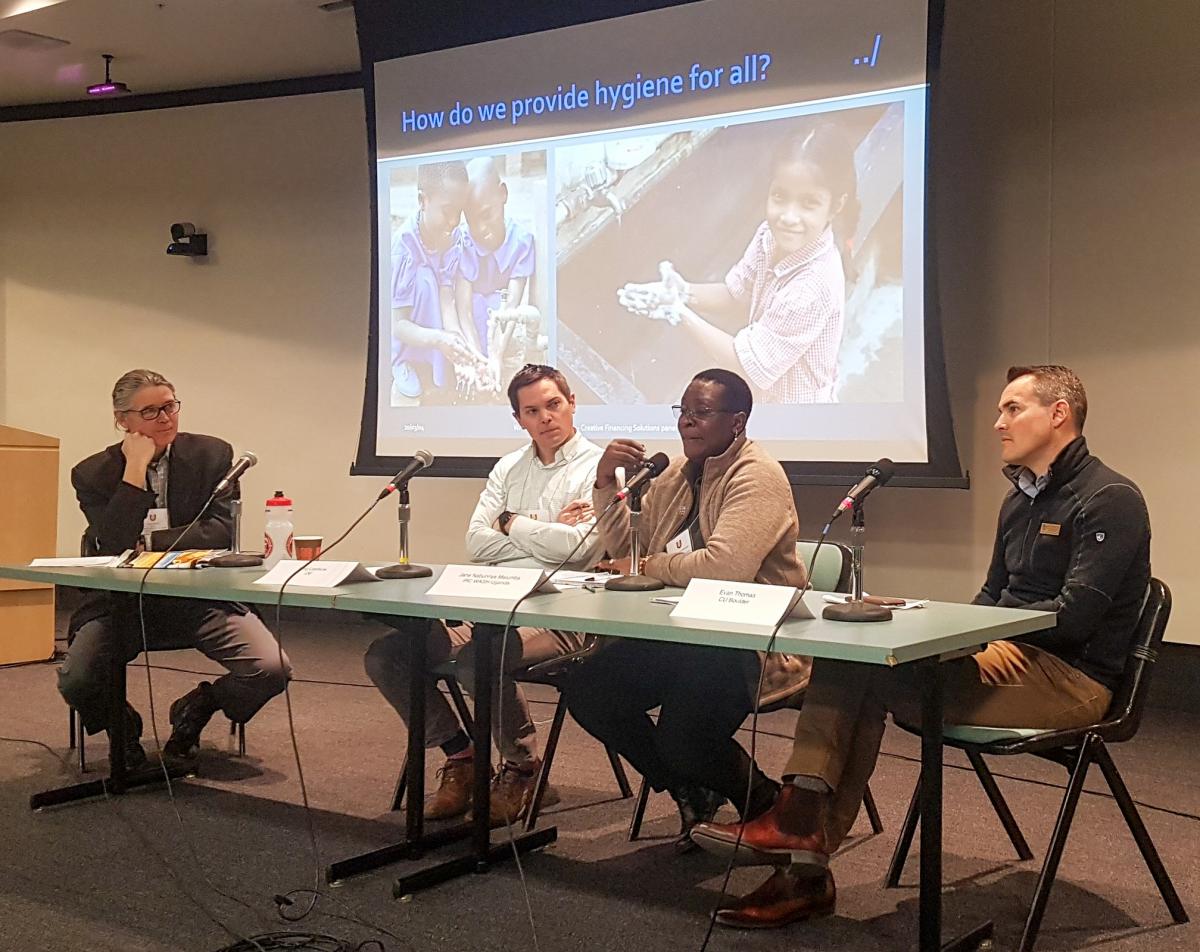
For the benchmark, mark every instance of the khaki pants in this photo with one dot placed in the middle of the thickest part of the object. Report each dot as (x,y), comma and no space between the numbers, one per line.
(1005,685)
(388,666)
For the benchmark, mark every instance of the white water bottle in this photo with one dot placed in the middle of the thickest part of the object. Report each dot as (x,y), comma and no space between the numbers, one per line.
(277,537)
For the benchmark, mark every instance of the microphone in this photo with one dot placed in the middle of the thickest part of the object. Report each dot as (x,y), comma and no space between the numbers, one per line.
(650,468)
(420,459)
(877,474)
(240,465)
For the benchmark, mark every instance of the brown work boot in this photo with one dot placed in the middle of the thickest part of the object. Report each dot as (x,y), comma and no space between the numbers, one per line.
(453,796)
(783,899)
(512,792)
(792,831)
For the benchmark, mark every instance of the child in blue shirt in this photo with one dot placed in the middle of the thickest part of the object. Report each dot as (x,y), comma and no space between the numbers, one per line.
(497,254)
(427,338)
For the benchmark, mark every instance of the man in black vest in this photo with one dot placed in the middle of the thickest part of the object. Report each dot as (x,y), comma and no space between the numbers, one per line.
(157,476)
(1073,539)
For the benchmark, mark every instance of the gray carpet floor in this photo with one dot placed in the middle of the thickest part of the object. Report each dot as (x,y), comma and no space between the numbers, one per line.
(151,873)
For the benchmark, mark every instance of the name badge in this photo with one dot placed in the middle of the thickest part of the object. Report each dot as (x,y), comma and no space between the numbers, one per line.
(540,515)
(1050,529)
(155,520)
(681,543)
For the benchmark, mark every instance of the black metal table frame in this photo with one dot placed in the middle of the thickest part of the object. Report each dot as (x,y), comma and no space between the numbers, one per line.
(483,853)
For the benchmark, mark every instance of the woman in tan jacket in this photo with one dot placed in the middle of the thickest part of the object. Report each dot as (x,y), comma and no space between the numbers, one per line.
(723,510)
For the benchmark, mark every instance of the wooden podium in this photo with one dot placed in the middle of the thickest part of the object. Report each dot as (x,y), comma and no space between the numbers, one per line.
(28,529)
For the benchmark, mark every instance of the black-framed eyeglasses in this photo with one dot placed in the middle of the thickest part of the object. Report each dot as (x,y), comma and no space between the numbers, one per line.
(696,415)
(170,408)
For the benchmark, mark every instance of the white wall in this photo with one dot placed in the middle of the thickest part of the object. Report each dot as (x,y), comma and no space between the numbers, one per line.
(1065,175)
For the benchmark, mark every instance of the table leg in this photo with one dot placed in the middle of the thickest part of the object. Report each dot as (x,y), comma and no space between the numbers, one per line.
(930,902)
(414,813)
(483,854)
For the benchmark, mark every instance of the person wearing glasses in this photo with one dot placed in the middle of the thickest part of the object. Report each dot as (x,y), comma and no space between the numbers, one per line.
(722,510)
(144,492)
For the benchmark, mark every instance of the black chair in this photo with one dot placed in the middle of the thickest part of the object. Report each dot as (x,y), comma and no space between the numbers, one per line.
(551,672)
(1076,750)
(831,573)
(75,732)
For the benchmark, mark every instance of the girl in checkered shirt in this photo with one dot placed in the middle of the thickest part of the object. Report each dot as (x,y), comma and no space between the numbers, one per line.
(790,284)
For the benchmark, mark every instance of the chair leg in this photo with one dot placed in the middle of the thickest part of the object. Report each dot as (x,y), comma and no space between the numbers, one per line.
(999,804)
(543,777)
(639,810)
(1058,840)
(619,775)
(464,714)
(1141,836)
(70,728)
(401,783)
(460,705)
(904,840)
(81,736)
(872,811)
(241,736)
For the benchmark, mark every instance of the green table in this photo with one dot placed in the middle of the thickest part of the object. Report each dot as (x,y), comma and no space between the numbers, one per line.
(924,637)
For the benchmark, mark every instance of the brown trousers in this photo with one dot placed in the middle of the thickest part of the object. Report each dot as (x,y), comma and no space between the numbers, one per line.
(1005,685)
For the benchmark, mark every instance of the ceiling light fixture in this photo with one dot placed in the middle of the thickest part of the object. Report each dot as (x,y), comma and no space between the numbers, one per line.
(108,87)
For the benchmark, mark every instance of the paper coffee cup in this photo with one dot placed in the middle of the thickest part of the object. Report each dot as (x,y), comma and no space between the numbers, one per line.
(307,547)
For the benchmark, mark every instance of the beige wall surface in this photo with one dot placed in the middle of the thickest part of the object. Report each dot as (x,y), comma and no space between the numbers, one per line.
(1064,183)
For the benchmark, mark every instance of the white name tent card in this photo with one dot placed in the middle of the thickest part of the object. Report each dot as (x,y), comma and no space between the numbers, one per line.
(739,604)
(490,581)
(318,575)
(80,561)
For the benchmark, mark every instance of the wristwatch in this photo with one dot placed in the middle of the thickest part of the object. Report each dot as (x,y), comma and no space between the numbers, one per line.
(505,518)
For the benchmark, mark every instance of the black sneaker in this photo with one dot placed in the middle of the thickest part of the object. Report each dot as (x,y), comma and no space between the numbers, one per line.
(189,715)
(135,755)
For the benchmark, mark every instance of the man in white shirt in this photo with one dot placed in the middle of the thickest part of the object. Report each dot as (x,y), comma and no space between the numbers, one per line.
(535,510)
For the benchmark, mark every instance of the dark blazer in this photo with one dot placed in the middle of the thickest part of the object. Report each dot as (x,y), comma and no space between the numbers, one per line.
(116,510)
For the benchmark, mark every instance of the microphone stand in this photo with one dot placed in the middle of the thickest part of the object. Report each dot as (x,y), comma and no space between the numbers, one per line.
(856,609)
(403,568)
(635,581)
(237,559)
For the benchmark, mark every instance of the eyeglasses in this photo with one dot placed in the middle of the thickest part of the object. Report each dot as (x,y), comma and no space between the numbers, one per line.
(151,413)
(697,415)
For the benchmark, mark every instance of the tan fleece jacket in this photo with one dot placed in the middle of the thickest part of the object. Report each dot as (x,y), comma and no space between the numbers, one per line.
(749,523)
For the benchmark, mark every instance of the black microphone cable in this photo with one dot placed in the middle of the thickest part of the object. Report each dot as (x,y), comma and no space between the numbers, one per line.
(770,649)
(508,820)
(166,772)
(281,901)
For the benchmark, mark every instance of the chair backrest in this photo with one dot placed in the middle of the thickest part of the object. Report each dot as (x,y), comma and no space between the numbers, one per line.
(1125,712)
(832,571)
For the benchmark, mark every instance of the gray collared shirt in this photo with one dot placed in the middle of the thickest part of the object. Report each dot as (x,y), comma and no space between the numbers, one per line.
(1031,485)
(156,478)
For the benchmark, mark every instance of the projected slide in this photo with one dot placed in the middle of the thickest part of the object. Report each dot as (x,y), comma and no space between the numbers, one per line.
(734,183)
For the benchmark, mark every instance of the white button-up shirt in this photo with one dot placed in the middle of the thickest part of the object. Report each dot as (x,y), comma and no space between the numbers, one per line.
(536,493)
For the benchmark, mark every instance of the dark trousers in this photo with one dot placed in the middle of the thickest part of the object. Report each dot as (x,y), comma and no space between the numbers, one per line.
(226,632)
(703,696)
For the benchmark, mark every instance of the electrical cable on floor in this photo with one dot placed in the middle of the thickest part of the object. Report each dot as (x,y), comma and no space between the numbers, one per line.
(284,900)
(252,942)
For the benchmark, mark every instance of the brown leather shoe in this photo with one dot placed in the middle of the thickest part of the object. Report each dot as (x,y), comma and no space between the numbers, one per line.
(453,796)
(783,899)
(791,832)
(512,793)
